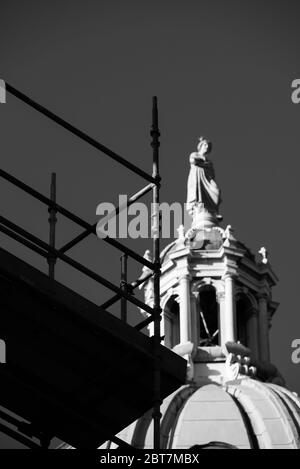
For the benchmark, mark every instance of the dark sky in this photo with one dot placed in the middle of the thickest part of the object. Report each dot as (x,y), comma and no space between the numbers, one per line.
(222,69)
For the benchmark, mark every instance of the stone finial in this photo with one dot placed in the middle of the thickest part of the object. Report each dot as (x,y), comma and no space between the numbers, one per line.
(231,370)
(181,232)
(147,255)
(145,269)
(228,235)
(148,284)
(264,255)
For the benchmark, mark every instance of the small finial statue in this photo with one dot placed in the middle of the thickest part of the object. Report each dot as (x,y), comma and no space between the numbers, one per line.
(147,286)
(181,232)
(203,194)
(264,255)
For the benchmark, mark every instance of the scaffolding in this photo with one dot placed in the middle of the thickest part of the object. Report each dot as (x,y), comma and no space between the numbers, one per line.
(123,292)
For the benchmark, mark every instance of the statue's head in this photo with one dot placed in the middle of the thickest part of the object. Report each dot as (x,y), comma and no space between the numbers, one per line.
(204,146)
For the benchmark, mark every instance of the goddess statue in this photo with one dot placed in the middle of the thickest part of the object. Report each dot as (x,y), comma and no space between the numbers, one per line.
(203,194)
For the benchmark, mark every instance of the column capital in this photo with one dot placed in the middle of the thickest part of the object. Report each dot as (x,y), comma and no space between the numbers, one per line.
(184,276)
(195,294)
(220,295)
(263,296)
(253,312)
(229,274)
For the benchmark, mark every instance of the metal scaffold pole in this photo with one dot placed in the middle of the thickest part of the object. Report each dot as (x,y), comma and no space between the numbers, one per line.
(52,222)
(156,231)
(123,285)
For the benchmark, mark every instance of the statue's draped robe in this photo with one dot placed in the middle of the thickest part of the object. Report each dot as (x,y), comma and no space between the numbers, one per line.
(201,187)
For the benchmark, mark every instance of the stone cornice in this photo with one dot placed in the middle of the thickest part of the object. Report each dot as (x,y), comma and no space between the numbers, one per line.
(234,252)
(167,266)
(252,282)
(266,269)
(260,270)
(213,254)
(182,252)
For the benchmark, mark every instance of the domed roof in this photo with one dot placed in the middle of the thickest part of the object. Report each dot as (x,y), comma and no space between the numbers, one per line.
(246,413)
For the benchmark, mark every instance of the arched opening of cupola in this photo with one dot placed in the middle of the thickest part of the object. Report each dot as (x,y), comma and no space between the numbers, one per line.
(209,328)
(171,319)
(244,311)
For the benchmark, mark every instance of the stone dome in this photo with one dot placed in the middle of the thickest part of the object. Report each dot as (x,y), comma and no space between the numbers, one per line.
(246,413)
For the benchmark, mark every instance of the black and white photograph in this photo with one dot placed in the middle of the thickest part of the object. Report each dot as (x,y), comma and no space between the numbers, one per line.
(149,224)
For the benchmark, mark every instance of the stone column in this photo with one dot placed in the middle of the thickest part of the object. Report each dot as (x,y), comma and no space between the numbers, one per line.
(185,309)
(253,332)
(222,323)
(195,329)
(263,321)
(163,327)
(229,323)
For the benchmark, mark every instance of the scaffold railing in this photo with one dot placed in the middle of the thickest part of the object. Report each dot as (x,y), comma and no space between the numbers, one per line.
(123,292)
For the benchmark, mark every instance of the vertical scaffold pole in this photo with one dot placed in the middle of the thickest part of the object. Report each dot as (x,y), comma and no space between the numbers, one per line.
(52,222)
(123,285)
(156,232)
